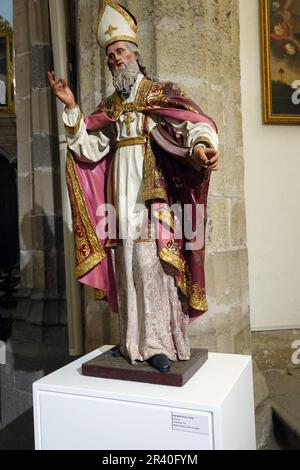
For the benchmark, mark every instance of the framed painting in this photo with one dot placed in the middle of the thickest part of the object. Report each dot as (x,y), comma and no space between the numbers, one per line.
(280,50)
(6,69)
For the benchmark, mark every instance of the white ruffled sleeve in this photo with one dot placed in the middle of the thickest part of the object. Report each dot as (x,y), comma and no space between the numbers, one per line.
(196,133)
(87,147)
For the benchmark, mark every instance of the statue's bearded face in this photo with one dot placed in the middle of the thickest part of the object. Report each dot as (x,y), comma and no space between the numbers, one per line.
(124,68)
(119,56)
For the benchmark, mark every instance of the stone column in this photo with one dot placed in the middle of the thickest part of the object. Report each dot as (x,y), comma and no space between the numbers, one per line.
(41,242)
(194,43)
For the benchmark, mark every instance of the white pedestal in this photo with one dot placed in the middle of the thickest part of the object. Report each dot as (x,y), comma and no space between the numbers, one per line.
(214,410)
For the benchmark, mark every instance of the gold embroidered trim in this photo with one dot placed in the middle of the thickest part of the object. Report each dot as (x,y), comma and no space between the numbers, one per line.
(143,91)
(150,190)
(111,30)
(99,294)
(84,233)
(203,140)
(179,91)
(138,105)
(121,38)
(73,130)
(155,95)
(129,107)
(165,216)
(171,254)
(150,94)
(196,296)
(131,141)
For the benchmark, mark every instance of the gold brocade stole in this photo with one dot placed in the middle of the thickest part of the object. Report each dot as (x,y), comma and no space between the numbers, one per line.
(88,249)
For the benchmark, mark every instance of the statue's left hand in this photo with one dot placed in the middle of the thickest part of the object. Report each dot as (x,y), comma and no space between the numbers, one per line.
(207,158)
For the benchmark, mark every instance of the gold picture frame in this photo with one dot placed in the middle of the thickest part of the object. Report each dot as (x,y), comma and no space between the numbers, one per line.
(7,102)
(280,51)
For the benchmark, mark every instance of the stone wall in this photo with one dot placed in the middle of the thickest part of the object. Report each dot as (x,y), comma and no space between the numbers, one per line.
(196,44)
(278,350)
(41,246)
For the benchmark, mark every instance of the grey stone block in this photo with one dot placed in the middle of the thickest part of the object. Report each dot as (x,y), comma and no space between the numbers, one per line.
(37,295)
(45,151)
(36,313)
(42,61)
(51,313)
(23,294)
(22,310)
(63,313)
(26,333)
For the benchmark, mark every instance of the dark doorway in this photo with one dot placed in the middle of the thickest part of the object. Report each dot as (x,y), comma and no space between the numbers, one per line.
(9,234)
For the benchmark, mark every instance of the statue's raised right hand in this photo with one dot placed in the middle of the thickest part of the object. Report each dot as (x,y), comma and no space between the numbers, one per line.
(61,89)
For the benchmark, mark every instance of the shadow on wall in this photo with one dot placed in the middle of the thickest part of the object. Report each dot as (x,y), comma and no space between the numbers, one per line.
(42,252)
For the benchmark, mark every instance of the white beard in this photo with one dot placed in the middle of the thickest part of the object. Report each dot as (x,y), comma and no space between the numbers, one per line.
(123,80)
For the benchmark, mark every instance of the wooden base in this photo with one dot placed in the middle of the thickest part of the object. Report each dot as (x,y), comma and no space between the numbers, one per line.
(109,367)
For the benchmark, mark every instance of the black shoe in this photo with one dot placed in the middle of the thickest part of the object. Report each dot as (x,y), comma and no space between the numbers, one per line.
(116,352)
(160,362)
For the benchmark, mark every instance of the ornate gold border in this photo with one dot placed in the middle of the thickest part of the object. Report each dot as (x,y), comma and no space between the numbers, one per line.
(7,33)
(195,295)
(99,254)
(203,140)
(151,191)
(270,118)
(73,130)
(121,38)
(165,216)
(99,294)
(130,142)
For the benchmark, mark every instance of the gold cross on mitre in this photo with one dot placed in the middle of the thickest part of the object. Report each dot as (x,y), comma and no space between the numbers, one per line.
(128,121)
(111,30)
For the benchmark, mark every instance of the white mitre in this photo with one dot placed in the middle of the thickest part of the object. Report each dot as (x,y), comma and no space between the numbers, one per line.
(115,24)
